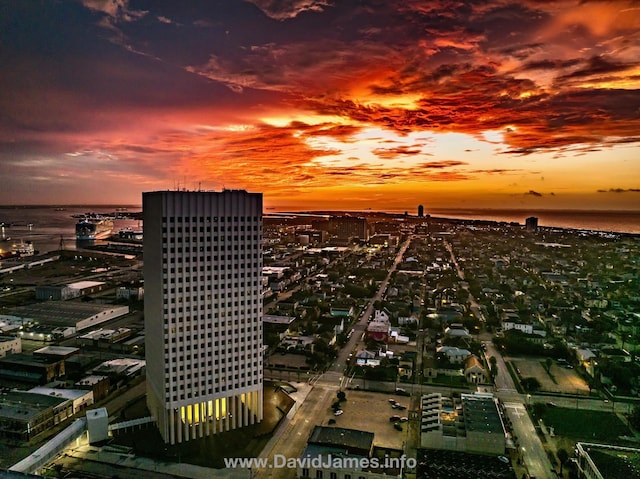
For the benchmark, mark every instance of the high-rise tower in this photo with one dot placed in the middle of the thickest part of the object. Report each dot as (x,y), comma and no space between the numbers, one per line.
(203,311)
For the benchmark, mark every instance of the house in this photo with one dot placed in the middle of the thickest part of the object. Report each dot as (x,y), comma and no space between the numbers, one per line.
(453,354)
(456,330)
(474,371)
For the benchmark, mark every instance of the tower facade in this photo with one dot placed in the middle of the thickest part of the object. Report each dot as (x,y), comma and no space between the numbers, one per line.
(203,311)
(531,223)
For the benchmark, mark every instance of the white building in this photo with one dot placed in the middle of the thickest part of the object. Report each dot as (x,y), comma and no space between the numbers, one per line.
(525,327)
(203,311)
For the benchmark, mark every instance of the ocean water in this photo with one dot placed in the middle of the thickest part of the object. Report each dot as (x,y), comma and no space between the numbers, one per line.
(51,225)
(47,227)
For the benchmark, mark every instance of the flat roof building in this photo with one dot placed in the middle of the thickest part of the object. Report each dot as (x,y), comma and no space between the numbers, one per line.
(470,424)
(74,314)
(203,311)
(24,415)
(10,345)
(603,461)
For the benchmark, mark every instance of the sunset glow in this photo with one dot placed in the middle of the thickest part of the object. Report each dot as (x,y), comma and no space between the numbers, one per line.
(323,104)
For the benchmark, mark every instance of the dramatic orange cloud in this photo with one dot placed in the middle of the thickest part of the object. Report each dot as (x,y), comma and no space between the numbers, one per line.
(319,102)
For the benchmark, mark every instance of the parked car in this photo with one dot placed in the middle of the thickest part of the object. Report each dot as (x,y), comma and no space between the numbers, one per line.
(401,407)
(404,419)
(394,418)
(339,412)
(402,392)
(398,426)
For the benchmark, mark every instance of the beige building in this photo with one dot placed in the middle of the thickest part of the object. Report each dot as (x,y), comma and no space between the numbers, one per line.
(10,345)
(203,311)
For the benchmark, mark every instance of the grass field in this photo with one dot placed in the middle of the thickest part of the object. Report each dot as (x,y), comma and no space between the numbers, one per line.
(583,425)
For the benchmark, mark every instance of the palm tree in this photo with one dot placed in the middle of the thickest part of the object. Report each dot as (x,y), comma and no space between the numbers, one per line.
(548,364)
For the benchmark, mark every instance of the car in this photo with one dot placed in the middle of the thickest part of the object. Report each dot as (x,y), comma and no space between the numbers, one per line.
(339,412)
(394,418)
(552,404)
(401,407)
(398,426)
(395,405)
(404,419)
(504,459)
(402,392)
(568,366)
(392,401)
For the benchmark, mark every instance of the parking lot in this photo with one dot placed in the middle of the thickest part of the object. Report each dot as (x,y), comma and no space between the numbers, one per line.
(566,379)
(371,411)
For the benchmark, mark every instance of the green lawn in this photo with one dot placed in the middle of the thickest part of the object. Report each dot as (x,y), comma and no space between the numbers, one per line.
(583,425)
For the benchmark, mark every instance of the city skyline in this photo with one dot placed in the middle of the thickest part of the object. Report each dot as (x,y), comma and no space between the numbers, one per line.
(321,104)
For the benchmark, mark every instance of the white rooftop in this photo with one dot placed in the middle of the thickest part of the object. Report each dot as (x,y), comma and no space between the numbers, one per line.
(85,284)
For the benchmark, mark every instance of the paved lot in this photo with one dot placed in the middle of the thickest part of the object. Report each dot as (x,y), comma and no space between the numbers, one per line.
(566,380)
(371,411)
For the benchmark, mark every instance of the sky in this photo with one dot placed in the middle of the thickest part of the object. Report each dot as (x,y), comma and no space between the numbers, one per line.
(323,104)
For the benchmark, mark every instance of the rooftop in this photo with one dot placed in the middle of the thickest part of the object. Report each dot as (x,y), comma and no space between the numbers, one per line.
(58,313)
(23,406)
(613,461)
(85,284)
(351,439)
(56,351)
(481,413)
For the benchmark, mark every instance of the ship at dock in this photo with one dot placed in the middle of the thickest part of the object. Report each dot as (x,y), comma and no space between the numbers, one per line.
(91,228)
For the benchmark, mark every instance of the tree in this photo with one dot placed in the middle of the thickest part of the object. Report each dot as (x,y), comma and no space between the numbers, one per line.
(530,384)
(548,362)
(493,368)
(634,417)
(563,455)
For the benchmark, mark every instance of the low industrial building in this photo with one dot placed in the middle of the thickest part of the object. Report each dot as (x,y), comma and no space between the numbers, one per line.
(31,369)
(122,367)
(471,423)
(39,320)
(60,353)
(10,345)
(80,399)
(24,415)
(130,293)
(340,453)
(101,337)
(69,291)
(98,385)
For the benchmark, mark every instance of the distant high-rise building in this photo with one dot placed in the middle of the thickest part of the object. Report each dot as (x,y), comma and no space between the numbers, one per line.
(531,223)
(420,211)
(347,228)
(203,311)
